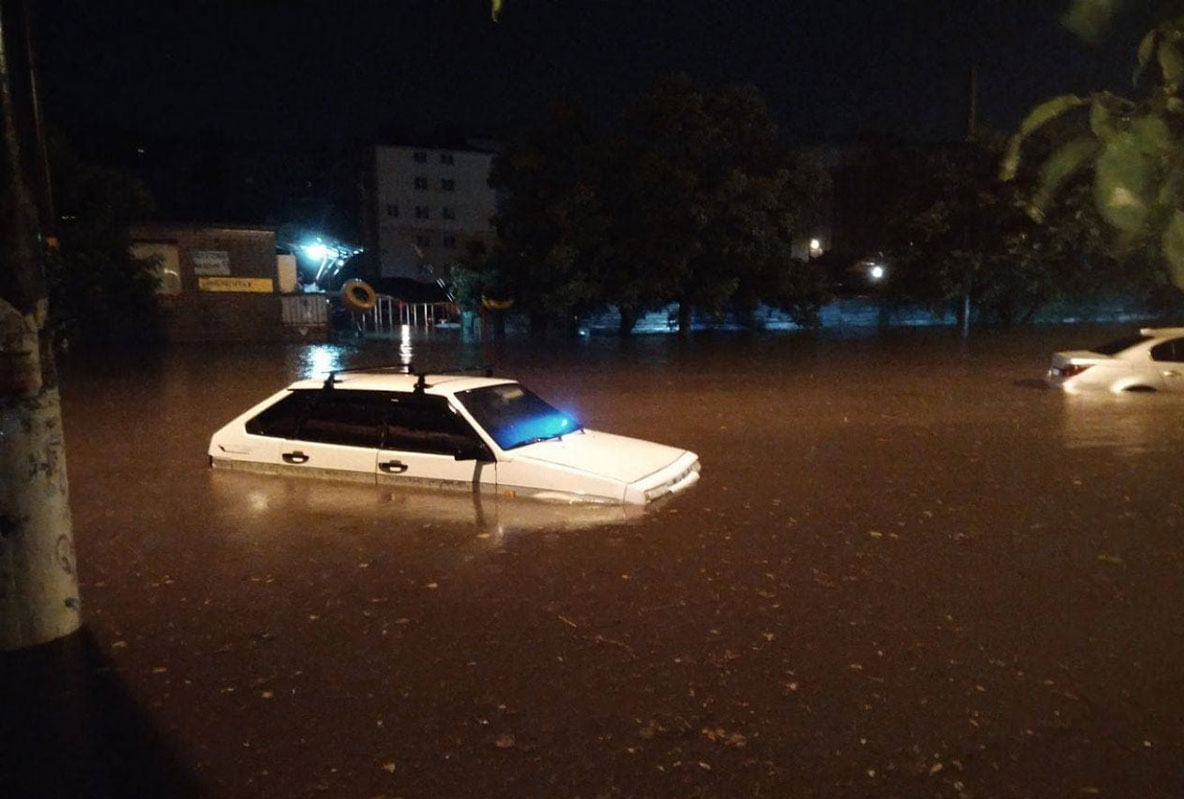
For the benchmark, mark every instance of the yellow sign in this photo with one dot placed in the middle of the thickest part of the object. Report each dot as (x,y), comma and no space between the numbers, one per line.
(263,285)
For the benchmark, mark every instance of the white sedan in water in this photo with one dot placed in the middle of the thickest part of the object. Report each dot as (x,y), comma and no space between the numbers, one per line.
(1153,360)
(455,430)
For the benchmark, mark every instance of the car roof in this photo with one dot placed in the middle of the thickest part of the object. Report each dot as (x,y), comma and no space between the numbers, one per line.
(1160,332)
(441,384)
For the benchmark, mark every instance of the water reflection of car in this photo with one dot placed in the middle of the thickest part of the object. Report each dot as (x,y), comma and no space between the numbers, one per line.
(448,430)
(262,503)
(1153,360)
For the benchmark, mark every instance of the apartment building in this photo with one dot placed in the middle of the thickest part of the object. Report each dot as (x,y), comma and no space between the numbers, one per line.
(433,207)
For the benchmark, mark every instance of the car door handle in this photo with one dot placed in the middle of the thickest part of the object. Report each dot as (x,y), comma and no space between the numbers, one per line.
(295,457)
(1171,373)
(393,467)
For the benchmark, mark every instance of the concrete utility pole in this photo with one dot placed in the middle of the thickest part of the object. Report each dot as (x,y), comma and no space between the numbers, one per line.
(38,584)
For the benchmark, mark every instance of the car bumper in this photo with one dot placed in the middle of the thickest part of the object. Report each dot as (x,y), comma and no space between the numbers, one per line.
(678,476)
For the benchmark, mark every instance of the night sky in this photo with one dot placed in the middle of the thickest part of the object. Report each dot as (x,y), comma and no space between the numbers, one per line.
(283,69)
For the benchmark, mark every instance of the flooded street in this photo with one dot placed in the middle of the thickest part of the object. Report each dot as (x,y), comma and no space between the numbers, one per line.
(908,570)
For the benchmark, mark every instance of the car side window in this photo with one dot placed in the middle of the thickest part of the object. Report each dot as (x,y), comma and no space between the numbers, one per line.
(1171,350)
(281,419)
(424,423)
(349,418)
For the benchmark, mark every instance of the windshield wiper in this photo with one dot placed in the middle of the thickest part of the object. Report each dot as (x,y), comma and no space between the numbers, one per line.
(537,439)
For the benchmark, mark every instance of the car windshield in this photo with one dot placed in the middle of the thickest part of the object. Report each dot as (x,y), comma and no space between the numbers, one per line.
(1118,345)
(514,416)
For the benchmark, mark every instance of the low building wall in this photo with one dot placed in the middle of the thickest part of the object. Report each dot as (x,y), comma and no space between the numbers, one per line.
(223,283)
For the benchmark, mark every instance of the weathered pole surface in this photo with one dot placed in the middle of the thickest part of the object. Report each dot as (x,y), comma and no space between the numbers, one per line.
(38,584)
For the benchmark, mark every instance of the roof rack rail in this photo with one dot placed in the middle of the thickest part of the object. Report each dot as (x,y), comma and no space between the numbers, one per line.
(405,368)
(409,369)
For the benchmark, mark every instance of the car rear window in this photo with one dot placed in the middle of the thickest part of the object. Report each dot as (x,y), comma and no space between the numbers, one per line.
(1171,350)
(1119,344)
(280,420)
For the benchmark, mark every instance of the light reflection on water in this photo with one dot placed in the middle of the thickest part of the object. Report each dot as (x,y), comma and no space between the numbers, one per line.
(320,359)
(405,349)
(263,503)
(1128,424)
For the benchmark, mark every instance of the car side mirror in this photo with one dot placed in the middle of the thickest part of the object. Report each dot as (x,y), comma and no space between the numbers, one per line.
(473,452)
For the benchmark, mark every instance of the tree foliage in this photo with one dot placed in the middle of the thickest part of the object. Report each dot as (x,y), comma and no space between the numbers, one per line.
(548,219)
(962,234)
(98,291)
(689,198)
(1131,149)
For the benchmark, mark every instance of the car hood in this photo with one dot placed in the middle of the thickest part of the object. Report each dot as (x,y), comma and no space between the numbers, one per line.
(602,454)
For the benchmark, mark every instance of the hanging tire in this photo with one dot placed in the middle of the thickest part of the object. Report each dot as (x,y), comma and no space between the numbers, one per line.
(357,295)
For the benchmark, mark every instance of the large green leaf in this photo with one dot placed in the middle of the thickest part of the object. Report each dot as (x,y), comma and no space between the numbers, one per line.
(1151,134)
(1011,158)
(1173,248)
(1090,19)
(1101,121)
(1050,110)
(1122,183)
(1146,49)
(1060,166)
(1171,62)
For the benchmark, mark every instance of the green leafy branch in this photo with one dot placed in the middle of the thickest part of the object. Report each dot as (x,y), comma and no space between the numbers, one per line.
(1134,148)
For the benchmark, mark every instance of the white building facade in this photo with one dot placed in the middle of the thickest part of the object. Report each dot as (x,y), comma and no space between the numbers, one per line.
(434,207)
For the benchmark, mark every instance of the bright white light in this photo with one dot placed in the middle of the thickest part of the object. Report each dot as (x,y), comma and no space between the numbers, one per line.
(405,349)
(321,359)
(876,272)
(317,251)
(815,246)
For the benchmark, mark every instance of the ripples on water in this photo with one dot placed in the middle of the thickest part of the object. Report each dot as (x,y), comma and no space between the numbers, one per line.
(1124,423)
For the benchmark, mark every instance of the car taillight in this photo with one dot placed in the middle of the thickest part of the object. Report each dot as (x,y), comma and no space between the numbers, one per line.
(1074,369)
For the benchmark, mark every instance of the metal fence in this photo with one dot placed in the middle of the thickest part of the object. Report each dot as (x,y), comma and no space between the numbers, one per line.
(305,310)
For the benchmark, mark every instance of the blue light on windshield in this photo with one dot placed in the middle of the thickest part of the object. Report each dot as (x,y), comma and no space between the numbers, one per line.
(539,427)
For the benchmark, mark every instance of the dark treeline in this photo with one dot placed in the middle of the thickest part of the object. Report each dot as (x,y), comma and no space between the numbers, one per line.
(689,197)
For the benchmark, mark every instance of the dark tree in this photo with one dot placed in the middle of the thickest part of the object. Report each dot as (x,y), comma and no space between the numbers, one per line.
(548,224)
(98,291)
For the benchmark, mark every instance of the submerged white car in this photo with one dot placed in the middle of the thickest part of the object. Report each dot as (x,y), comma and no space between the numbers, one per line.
(1153,360)
(447,430)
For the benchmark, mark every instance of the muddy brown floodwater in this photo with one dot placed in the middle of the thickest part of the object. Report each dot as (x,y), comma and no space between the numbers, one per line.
(908,571)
